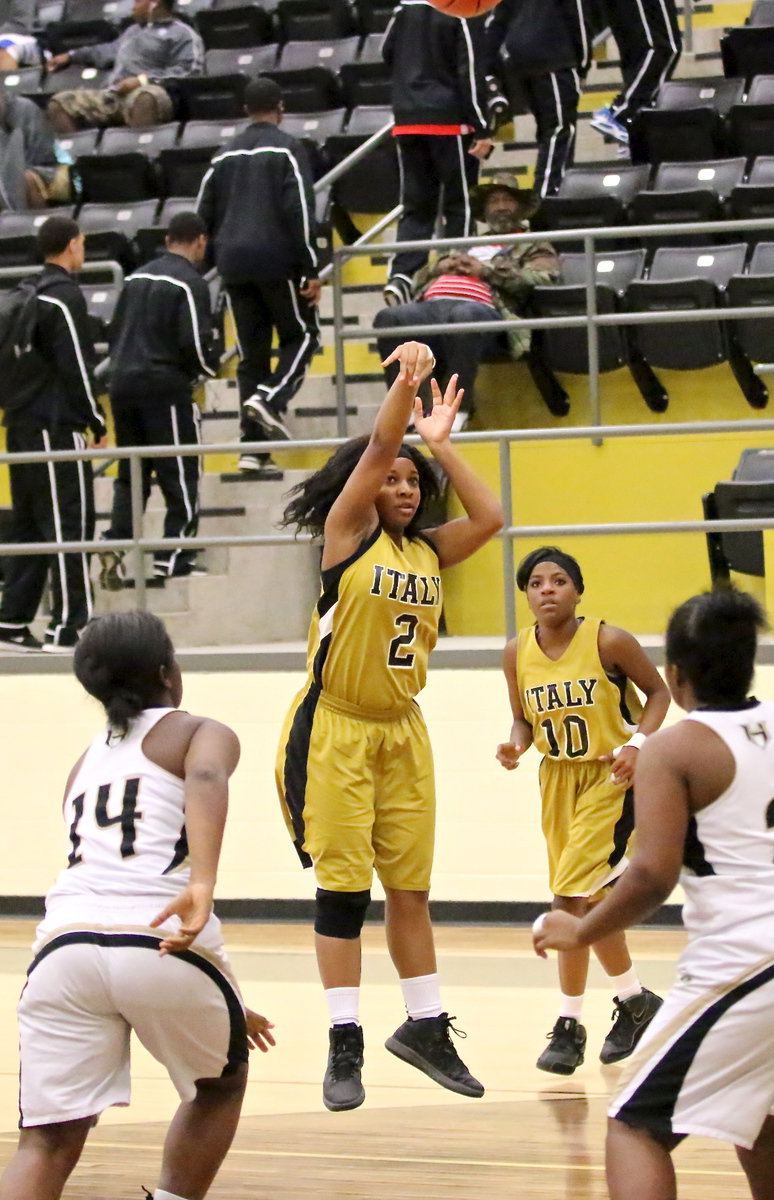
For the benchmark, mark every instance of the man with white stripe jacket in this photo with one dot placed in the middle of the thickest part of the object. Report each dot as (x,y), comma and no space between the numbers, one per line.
(161,343)
(258,205)
(53,407)
(441,128)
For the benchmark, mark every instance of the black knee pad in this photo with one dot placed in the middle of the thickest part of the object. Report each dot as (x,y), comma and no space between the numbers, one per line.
(340,914)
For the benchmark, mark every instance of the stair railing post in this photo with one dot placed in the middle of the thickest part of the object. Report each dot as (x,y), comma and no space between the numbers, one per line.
(338,343)
(138,558)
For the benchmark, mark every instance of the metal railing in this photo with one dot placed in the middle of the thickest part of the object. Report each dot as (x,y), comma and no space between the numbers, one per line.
(136,546)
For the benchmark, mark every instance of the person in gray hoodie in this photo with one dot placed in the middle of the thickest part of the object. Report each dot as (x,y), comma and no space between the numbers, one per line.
(28,164)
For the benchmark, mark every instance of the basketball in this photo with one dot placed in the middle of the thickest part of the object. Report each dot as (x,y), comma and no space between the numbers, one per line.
(464,8)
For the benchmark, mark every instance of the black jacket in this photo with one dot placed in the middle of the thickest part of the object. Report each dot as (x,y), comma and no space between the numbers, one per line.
(436,66)
(539,36)
(58,388)
(258,205)
(161,336)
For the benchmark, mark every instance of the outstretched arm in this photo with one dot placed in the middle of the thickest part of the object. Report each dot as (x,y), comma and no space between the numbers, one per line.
(353,515)
(457,540)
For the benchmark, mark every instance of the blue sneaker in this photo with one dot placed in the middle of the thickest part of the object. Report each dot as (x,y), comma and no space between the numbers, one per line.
(604,122)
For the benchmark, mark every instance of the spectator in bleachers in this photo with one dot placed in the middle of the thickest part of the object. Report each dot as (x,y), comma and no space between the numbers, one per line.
(18,46)
(52,406)
(649,44)
(482,283)
(161,343)
(548,48)
(441,127)
(258,205)
(155,48)
(28,164)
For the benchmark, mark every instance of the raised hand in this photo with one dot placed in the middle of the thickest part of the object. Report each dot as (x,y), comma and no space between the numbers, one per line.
(436,426)
(415,360)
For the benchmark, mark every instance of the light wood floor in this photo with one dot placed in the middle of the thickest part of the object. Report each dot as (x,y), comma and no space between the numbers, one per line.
(532,1135)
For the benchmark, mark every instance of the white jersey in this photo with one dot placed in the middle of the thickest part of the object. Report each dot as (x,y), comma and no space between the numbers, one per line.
(126,848)
(728,871)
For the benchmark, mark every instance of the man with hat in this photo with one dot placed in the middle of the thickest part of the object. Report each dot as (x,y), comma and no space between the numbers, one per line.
(480,283)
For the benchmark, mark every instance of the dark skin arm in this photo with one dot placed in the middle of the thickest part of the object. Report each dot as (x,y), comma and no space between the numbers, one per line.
(679,771)
(621,654)
(509,753)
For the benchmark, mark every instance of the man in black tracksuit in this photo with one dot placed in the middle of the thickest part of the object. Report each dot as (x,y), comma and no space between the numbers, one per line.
(547,45)
(441,127)
(53,409)
(257,203)
(161,343)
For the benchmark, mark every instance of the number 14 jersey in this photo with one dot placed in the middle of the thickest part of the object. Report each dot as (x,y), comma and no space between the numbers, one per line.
(577,711)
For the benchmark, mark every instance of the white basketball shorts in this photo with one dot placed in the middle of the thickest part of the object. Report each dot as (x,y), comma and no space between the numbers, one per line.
(86,992)
(706,1064)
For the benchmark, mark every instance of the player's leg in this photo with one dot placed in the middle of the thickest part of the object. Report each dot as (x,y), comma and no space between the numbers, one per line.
(638,1166)
(44,1160)
(758,1163)
(403,840)
(200,1135)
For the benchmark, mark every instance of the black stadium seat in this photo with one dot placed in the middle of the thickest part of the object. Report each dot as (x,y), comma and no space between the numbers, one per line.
(109,178)
(82,141)
(120,139)
(748,51)
(70,35)
(313,20)
(25,82)
(214,134)
(315,127)
(208,98)
(242,60)
(688,120)
(756,288)
(592,196)
(365,82)
(754,199)
(182,169)
(74,76)
(17,235)
(331,54)
(751,125)
(692,278)
(110,229)
(310,89)
(150,239)
(687,192)
(227,28)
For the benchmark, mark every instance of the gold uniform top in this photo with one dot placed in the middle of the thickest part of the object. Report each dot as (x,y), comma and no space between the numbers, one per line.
(375,624)
(577,711)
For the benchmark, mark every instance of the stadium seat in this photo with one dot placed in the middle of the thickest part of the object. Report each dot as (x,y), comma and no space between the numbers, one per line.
(208,98)
(753,290)
(692,278)
(82,141)
(182,169)
(365,82)
(74,76)
(688,120)
(730,500)
(48,13)
(315,127)
(26,82)
(762,13)
(751,125)
(748,51)
(101,300)
(374,15)
(213,134)
(314,20)
(189,9)
(566,350)
(756,465)
(119,139)
(244,60)
(110,229)
(754,199)
(309,89)
(331,54)
(71,35)
(17,235)
(686,193)
(368,118)
(229,28)
(114,178)
(371,48)
(118,12)
(150,238)
(594,196)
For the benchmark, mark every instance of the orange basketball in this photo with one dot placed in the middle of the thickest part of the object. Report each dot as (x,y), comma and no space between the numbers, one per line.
(464,8)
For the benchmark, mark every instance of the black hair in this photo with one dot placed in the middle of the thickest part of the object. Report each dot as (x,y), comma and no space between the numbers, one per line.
(118,660)
(712,639)
(312,499)
(185,227)
(549,554)
(55,235)
(262,95)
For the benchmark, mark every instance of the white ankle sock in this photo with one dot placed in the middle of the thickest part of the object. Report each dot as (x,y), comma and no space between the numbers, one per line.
(422,996)
(160,1194)
(343,1005)
(625,985)
(571,1006)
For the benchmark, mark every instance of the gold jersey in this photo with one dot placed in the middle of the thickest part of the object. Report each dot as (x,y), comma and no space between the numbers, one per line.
(577,711)
(375,624)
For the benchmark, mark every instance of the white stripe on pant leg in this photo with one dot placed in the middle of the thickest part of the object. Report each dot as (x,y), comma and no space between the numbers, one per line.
(287,378)
(552,142)
(617,108)
(58,537)
(401,198)
(183,487)
(79,442)
(464,182)
(230,307)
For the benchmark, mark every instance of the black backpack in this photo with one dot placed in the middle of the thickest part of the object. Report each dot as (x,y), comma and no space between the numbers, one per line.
(18,357)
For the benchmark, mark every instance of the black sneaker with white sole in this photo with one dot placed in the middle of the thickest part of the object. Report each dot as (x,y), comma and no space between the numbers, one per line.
(342,1088)
(258,409)
(632,1018)
(19,639)
(425,1043)
(397,291)
(565,1049)
(259,466)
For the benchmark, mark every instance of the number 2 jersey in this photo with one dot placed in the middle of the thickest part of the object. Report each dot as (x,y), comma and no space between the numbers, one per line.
(577,711)
(126,846)
(375,624)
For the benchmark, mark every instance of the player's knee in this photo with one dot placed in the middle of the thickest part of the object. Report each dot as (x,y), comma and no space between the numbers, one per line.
(225,1087)
(340,914)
